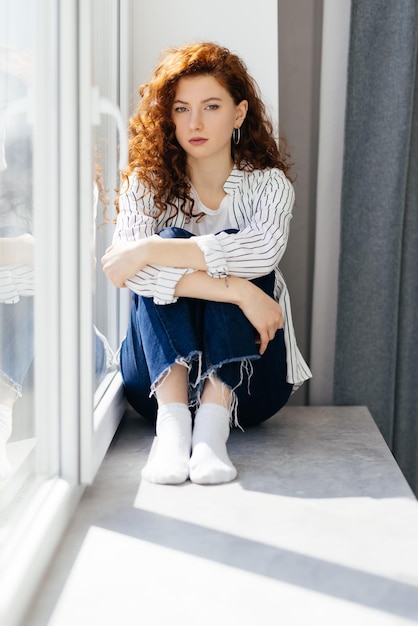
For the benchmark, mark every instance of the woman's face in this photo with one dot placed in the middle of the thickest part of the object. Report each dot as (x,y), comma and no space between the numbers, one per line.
(205,115)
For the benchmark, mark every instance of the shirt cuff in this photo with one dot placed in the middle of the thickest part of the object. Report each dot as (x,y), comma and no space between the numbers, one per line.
(214,255)
(8,291)
(167,280)
(24,279)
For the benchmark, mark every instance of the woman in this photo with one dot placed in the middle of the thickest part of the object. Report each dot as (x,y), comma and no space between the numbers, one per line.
(17,279)
(16,242)
(203,221)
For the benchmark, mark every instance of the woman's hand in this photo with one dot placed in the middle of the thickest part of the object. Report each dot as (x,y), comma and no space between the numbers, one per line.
(264,313)
(126,258)
(122,260)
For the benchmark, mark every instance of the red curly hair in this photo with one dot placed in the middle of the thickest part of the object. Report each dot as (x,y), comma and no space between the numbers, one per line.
(154,152)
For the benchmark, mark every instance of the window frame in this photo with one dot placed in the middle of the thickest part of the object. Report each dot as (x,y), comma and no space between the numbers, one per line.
(73,429)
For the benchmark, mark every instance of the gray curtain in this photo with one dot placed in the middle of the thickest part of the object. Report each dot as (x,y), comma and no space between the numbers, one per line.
(377,323)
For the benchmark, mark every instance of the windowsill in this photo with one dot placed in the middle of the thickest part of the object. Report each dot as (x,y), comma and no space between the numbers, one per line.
(29,549)
(39,526)
(21,457)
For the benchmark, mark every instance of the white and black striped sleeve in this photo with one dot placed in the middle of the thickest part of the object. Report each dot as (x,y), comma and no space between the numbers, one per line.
(8,290)
(24,279)
(135,218)
(257,248)
(16,281)
(157,282)
(135,221)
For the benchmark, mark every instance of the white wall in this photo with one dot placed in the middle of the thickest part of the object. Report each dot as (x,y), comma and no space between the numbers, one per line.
(300,28)
(335,44)
(159,24)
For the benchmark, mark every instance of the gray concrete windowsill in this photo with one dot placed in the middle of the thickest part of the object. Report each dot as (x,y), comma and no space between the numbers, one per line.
(320,527)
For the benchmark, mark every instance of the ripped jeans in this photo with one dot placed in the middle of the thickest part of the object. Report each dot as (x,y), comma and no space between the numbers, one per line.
(16,342)
(210,338)
(16,333)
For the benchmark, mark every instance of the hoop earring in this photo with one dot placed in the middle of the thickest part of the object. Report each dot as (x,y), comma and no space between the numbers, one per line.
(236,136)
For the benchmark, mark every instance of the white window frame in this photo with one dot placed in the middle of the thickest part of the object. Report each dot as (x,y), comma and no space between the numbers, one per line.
(106,409)
(72,432)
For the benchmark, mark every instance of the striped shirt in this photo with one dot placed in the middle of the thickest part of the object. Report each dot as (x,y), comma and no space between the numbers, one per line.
(16,281)
(259,205)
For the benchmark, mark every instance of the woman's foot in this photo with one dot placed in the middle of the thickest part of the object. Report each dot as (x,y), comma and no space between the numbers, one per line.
(210,463)
(169,465)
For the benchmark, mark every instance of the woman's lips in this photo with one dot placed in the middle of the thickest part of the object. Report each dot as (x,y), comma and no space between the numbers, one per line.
(197,141)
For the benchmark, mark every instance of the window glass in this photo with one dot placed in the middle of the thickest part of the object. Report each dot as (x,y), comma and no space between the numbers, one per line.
(105,78)
(32,424)
(56,198)
(17,278)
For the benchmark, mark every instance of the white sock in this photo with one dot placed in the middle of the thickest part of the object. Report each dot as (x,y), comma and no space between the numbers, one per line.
(5,432)
(210,463)
(170,463)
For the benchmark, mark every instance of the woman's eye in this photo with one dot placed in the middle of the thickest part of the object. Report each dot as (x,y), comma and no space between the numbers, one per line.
(212,107)
(180,109)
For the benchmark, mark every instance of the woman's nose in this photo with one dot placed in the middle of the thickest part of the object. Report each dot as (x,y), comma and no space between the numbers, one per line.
(195,120)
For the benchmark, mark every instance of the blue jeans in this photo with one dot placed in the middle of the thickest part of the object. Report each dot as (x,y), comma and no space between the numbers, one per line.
(17,337)
(16,333)
(212,338)
(16,343)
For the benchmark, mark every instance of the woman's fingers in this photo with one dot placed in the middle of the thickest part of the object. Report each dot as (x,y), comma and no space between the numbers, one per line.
(267,336)
(265,314)
(122,261)
(264,342)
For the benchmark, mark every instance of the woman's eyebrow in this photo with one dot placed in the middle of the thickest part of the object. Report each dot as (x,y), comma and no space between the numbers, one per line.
(203,101)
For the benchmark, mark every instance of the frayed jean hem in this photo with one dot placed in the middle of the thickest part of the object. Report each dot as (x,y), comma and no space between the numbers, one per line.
(215,371)
(186,362)
(11,384)
(195,389)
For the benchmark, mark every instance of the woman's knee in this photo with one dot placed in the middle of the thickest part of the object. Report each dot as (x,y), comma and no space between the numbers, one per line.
(174,232)
(266,283)
(136,380)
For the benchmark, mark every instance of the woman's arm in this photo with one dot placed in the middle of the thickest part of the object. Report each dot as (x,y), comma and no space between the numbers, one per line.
(264,313)
(17,250)
(265,208)
(134,246)
(16,268)
(253,251)
(125,259)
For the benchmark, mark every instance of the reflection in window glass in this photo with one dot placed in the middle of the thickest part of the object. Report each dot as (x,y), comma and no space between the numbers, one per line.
(16,249)
(105,360)
(105,77)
